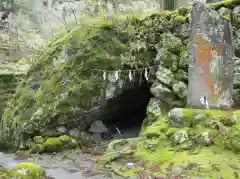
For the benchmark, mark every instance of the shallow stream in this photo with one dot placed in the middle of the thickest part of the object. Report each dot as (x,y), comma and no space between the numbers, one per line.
(71,165)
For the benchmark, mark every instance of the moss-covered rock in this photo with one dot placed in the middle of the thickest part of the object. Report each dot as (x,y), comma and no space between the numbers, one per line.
(68,142)
(53,144)
(37,148)
(26,170)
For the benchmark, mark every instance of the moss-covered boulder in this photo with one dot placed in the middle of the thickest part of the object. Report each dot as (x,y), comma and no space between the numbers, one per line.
(61,90)
(68,142)
(50,144)
(55,144)
(37,148)
(26,170)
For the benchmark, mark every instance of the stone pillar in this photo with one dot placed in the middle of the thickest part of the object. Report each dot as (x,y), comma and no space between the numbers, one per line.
(211,70)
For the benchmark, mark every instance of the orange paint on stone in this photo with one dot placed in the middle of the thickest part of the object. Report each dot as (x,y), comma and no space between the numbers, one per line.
(204,55)
(204,51)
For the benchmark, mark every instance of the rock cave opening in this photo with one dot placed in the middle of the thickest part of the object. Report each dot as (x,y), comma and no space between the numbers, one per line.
(127,111)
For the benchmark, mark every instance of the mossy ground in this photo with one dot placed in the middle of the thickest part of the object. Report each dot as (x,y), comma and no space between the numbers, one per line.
(155,154)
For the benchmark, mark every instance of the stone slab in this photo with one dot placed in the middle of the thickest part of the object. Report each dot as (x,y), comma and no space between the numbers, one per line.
(211,71)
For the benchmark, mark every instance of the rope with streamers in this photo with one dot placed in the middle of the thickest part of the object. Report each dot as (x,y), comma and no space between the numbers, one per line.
(117,73)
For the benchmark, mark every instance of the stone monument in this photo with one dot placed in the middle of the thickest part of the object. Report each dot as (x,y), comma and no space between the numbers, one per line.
(211,70)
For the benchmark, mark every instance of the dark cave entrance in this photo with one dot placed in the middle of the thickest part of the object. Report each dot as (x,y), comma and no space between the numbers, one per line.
(128,110)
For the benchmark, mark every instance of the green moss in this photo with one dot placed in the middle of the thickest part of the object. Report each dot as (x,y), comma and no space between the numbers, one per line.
(3,173)
(224,3)
(183,10)
(237,94)
(116,144)
(225,13)
(53,144)
(163,14)
(68,142)
(179,19)
(106,25)
(37,148)
(8,81)
(26,170)
(65,138)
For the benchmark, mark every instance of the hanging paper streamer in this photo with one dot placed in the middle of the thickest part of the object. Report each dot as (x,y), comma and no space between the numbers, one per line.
(111,77)
(130,75)
(116,75)
(146,74)
(120,83)
(204,102)
(104,75)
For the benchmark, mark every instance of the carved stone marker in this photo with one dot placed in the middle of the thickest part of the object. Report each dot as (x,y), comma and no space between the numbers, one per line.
(211,71)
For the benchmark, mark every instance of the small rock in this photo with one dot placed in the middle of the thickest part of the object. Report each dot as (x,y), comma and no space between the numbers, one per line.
(154,108)
(200,116)
(180,89)
(204,138)
(98,127)
(74,133)
(234,119)
(180,137)
(165,75)
(61,130)
(162,92)
(177,170)
(175,117)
